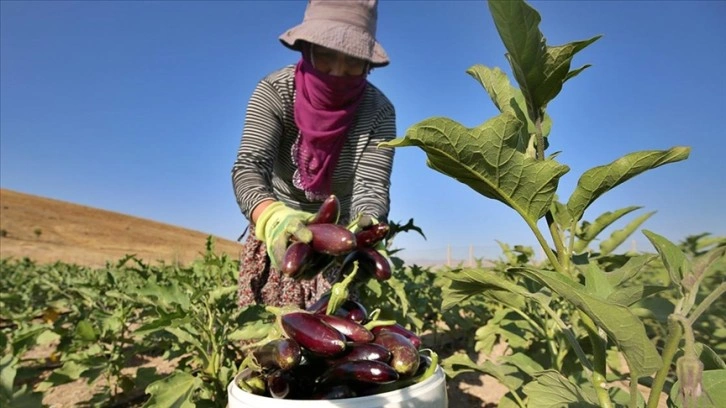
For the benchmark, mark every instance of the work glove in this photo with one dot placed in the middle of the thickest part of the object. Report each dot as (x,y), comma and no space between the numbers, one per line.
(275,227)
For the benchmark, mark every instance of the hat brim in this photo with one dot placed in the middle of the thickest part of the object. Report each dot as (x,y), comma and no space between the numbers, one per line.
(344,38)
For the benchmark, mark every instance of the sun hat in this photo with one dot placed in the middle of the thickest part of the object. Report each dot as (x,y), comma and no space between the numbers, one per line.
(347,26)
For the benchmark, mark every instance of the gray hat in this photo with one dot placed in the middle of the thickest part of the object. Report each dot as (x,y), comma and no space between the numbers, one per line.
(347,26)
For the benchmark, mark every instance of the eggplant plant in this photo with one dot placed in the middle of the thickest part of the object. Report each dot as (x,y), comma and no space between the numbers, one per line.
(584,306)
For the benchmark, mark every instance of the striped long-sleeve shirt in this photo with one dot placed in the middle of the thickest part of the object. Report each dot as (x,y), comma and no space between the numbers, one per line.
(264,168)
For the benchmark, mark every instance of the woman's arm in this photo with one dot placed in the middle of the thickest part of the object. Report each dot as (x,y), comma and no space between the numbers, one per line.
(252,169)
(371,188)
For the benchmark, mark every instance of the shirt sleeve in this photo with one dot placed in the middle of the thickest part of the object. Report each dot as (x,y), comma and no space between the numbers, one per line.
(371,188)
(261,134)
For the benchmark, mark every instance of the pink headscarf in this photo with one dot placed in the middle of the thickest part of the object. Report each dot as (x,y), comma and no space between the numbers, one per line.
(325,107)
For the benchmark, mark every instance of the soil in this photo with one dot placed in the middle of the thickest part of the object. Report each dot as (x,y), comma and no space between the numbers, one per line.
(47,230)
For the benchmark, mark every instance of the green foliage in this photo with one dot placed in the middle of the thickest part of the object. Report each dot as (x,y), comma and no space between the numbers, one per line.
(582,304)
(97,320)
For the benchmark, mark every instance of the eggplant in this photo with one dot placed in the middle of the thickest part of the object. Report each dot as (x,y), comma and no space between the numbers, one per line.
(424,362)
(397,328)
(279,384)
(404,356)
(371,236)
(353,331)
(381,265)
(350,309)
(336,391)
(362,351)
(329,211)
(366,371)
(297,256)
(282,354)
(305,374)
(313,334)
(370,261)
(331,239)
(317,263)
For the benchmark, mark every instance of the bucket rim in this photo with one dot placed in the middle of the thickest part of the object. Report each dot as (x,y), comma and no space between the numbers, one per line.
(406,393)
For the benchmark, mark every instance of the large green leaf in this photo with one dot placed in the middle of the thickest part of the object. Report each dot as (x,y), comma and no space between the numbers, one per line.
(174,391)
(598,180)
(621,325)
(589,231)
(618,237)
(8,370)
(673,258)
(469,282)
(486,159)
(596,282)
(539,69)
(509,99)
(551,390)
(85,331)
(525,363)
(630,295)
(459,363)
(628,271)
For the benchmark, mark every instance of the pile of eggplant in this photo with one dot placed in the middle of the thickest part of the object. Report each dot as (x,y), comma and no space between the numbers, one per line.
(334,349)
(337,355)
(333,244)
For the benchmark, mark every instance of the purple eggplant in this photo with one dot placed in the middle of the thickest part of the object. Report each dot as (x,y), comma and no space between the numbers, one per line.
(297,256)
(350,309)
(370,261)
(334,391)
(282,354)
(331,239)
(404,356)
(397,328)
(317,263)
(279,384)
(371,236)
(313,334)
(353,331)
(329,211)
(362,351)
(366,371)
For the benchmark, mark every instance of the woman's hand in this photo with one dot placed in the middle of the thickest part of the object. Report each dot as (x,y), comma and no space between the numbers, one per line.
(275,226)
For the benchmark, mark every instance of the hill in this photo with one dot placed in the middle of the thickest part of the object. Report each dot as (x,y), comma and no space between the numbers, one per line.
(47,230)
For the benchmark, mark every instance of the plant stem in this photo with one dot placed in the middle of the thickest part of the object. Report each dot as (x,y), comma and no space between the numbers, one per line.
(544,244)
(540,137)
(529,320)
(600,384)
(705,303)
(570,337)
(562,253)
(599,356)
(675,332)
(633,392)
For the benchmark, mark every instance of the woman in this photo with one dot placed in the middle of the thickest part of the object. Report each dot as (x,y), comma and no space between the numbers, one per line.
(312,130)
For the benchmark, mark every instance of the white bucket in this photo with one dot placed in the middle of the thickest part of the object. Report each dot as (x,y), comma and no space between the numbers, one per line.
(430,393)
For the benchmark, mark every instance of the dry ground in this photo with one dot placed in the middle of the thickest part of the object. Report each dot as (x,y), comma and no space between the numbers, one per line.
(47,230)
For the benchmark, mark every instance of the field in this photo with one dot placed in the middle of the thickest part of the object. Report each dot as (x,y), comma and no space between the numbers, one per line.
(48,230)
(87,241)
(76,234)
(99,309)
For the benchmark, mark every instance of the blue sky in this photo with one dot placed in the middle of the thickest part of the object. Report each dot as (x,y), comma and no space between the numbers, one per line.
(137,107)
